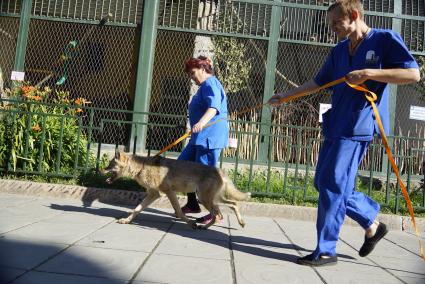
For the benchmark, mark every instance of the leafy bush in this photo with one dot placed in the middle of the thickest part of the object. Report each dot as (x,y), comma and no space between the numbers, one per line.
(40,136)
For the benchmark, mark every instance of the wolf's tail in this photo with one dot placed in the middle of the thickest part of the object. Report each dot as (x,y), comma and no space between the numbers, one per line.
(232,193)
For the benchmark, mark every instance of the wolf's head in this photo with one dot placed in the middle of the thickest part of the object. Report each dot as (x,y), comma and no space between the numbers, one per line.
(117,167)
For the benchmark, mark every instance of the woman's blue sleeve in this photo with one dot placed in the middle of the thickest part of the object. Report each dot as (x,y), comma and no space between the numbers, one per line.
(212,97)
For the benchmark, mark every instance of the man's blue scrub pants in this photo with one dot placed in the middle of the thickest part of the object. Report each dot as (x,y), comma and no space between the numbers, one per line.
(338,162)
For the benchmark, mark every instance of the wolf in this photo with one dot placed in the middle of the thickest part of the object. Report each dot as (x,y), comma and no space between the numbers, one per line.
(169,176)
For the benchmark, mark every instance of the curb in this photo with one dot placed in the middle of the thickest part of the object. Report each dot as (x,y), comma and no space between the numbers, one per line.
(131,198)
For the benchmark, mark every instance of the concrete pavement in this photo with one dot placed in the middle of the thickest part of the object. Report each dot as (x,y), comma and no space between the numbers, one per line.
(58,240)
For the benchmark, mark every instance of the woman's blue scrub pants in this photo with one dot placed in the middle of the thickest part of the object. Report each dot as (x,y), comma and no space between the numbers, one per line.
(338,162)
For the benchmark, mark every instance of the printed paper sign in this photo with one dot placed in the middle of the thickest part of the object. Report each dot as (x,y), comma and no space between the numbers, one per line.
(17,76)
(417,112)
(322,109)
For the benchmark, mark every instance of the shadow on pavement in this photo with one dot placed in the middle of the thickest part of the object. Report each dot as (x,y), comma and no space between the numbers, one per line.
(18,259)
(249,245)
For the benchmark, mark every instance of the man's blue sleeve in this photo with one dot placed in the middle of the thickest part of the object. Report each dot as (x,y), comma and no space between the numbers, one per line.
(325,73)
(397,55)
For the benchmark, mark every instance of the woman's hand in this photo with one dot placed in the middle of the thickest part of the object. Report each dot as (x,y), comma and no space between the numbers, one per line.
(198,127)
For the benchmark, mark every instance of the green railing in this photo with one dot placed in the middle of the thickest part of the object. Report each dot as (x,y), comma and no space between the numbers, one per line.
(290,176)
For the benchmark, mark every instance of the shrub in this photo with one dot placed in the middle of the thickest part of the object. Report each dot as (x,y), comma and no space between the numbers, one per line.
(41,131)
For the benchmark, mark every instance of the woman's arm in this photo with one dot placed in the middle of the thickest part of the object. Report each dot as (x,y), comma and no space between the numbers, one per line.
(210,113)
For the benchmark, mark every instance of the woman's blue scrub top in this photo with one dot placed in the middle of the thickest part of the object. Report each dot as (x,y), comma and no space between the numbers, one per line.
(210,95)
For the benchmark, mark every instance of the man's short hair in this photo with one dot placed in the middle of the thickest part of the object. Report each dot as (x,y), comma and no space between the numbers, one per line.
(347,7)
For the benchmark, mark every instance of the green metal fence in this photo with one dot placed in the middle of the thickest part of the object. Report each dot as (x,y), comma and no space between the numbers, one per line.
(131,70)
(54,139)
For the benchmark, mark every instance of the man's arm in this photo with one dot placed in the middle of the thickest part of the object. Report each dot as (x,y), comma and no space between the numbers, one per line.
(304,88)
(395,76)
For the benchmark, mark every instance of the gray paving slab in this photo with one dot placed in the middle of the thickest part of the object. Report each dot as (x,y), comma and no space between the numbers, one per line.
(286,272)
(193,247)
(126,236)
(97,262)
(36,277)
(26,254)
(9,274)
(185,270)
(50,240)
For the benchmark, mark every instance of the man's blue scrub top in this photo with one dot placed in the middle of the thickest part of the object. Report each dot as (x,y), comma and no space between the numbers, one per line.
(351,115)
(210,95)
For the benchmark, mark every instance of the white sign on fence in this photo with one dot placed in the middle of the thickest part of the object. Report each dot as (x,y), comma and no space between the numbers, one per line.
(17,76)
(417,112)
(322,109)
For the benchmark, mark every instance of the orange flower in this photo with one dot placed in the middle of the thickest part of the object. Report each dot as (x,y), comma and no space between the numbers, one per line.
(36,98)
(81,101)
(36,128)
(27,89)
(78,110)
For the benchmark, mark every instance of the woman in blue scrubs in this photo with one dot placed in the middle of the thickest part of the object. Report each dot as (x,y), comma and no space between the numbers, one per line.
(373,57)
(207,106)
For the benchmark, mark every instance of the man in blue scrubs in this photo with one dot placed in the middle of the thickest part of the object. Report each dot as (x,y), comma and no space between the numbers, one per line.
(373,57)
(208,106)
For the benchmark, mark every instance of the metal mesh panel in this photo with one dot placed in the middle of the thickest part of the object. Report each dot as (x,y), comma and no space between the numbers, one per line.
(296,65)
(10,6)
(8,34)
(128,12)
(385,6)
(216,15)
(413,7)
(305,25)
(171,86)
(378,22)
(414,34)
(101,71)
(408,96)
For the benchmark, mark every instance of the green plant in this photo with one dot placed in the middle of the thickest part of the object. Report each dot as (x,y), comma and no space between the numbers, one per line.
(37,136)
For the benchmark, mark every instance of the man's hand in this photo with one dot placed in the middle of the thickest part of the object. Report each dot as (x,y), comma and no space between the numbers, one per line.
(357,77)
(275,100)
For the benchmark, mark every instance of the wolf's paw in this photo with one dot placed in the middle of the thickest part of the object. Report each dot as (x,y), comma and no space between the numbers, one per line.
(193,225)
(124,221)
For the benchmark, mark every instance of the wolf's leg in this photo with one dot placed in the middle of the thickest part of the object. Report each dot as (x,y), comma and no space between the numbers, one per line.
(151,197)
(235,208)
(179,213)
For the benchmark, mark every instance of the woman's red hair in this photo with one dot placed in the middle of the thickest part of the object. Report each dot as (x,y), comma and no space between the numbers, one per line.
(200,62)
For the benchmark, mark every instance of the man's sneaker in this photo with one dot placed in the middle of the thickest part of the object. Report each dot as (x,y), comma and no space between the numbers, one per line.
(186,210)
(207,219)
(320,261)
(370,243)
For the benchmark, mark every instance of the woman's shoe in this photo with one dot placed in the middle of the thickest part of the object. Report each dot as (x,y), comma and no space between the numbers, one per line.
(207,219)
(186,210)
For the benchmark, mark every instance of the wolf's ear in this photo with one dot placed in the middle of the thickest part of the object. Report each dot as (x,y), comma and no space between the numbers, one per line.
(119,155)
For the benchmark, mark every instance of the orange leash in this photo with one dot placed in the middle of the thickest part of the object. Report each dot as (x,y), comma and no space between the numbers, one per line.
(166,148)
(371,97)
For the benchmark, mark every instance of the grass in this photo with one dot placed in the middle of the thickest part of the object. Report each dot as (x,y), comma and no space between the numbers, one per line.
(273,188)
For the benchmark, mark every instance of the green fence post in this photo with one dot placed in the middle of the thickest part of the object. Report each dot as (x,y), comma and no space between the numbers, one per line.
(272,50)
(144,73)
(21,43)
(396,26)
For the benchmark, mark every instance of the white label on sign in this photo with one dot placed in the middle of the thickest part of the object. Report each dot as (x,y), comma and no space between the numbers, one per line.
(417,112)
(322,109)
(233,143)
(17,76)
